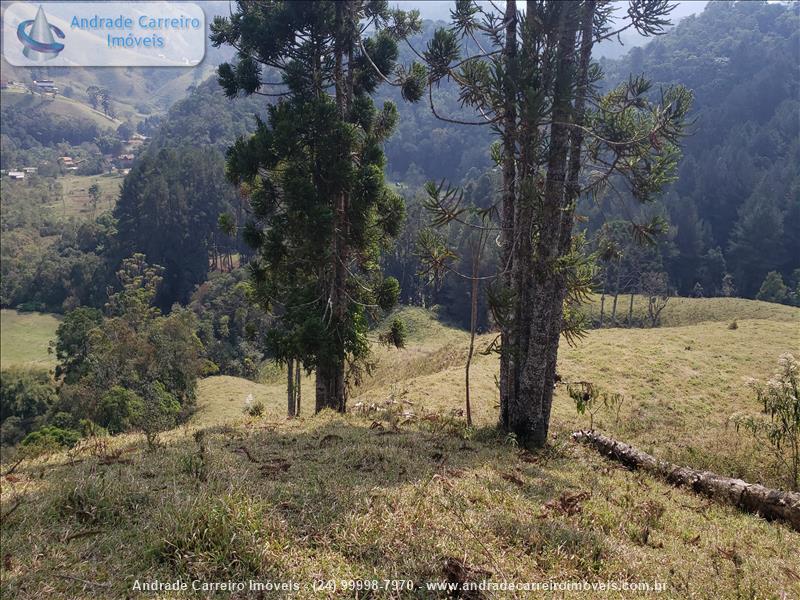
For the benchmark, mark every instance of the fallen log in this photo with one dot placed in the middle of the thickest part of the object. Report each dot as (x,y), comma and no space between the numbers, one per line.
(769,503)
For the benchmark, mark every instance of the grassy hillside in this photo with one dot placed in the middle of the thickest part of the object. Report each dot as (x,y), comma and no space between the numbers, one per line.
(152,90)
(681,384)
(401,490)
(60,105)
(690,311)
(77,202)
(24,338)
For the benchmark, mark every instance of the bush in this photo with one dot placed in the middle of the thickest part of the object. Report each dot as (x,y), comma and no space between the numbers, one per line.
(254,409)
(396,335)
(11,431)
(159,412)
(135,368)
(25,393)
(773,289)
(778,427)
(119,409)
(51,436)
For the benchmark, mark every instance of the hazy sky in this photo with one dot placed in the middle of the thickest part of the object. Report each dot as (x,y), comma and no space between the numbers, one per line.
(440,9)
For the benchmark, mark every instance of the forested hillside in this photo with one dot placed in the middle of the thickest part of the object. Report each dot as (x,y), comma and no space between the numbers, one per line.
(731,212)
(171,202)
(735,206)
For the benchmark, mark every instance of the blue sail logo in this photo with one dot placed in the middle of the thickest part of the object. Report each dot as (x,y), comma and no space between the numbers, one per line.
(36,36)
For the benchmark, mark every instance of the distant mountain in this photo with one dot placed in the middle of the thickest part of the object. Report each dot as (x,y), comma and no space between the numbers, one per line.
(736,204)
(206,117)
(734,208)
(137,91)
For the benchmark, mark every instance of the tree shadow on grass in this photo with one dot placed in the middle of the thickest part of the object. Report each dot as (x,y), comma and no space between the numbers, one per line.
(330,496)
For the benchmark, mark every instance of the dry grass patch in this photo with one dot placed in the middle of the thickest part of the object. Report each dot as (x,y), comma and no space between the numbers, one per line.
(352,501)
(406,491)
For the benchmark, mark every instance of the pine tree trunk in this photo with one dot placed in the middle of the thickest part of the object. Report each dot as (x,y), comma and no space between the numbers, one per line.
(331,389)
(297,388)
(291,408)
(526,203)
(507,339)
(545,284)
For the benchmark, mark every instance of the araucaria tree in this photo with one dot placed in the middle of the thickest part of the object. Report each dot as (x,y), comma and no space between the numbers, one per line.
(529,76)
(314,171)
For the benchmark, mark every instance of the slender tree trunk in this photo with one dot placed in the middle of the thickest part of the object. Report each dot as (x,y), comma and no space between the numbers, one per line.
(473,322)
(507,339)
(297,388)
(469,355)
(602,305)
(616,295)
(630,311)
(292,408)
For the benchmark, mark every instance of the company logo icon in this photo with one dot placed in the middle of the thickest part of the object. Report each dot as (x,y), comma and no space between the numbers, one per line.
(36,36)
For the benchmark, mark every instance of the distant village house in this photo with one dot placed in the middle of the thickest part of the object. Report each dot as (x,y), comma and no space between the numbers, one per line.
(124,161)
(45,86)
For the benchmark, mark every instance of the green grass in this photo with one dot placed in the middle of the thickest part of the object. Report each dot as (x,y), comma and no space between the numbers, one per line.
(24,338)
(681,384)
(60,105)
(77,201)
(378,494)
(690,311)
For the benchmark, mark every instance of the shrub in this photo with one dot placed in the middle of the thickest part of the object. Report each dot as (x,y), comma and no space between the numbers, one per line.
(254,409)
(159,412)
(396,335)
(778,427)
(589,398)
(26,394)
(119,409)
(11,431)
(50,436)
(773,289)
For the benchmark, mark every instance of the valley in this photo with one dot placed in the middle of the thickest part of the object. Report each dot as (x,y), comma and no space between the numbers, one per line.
(323,316)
